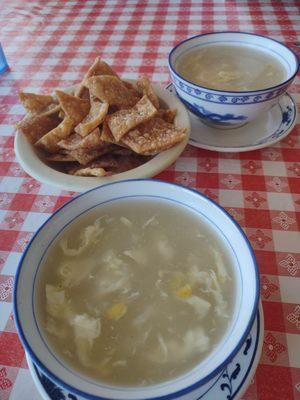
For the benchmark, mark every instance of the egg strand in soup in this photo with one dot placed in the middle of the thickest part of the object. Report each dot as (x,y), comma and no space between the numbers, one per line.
(228,67)
(136,295)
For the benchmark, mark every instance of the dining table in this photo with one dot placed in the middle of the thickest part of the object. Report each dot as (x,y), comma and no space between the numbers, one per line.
(50,44)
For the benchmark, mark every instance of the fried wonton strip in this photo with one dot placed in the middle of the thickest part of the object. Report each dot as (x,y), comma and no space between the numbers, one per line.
(113,163)
(61,114)
(111,90)
(123,121)
(93,140)
(49,142)
(38,103)
(122,151)
(98,67)
(60,157)
(34,127)
(72,142)
(109,162)
(73,107)
(126,163)
(94,118)
(75,141)
(132,89)
(84,156)
(107,136)
(146,88)
(167,115)
(90,172)
(153,137)
(52,109)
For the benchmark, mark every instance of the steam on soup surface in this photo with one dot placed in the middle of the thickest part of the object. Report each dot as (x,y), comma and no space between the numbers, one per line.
(136,295)
(226,67)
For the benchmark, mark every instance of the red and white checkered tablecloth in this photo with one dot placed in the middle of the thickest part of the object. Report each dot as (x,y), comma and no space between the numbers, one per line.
(50,44)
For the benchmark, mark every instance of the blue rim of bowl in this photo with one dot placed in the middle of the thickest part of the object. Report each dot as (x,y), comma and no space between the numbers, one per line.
(169,396)
(233,91)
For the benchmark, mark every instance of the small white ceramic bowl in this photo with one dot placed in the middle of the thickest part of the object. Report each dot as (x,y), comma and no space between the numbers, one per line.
(188,386)
(33,164)
(228,109)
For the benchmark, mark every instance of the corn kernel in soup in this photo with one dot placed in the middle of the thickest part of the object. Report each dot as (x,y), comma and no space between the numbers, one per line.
(227,67)
(136,295)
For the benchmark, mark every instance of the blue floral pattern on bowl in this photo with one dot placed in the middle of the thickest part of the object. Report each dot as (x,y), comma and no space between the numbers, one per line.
(53,391)
(226,386)
(228,98)
(203,113)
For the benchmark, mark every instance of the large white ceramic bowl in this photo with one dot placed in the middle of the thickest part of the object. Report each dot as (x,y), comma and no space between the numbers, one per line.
(35,166)
(187,386)
(227,109)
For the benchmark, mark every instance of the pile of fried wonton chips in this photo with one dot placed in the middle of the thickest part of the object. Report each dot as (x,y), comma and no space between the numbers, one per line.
(105,127)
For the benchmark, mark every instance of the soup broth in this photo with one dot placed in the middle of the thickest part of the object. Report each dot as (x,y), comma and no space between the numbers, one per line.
(137,294)
(225,67)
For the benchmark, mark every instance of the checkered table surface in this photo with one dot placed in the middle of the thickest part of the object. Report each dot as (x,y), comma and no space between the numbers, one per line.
(50,44)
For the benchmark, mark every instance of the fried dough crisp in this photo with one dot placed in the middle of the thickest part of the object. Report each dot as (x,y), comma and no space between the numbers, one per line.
(107,161)
(61,114)
(98,67)
(108,137)
(90,172)
(60,157)
(85,155)
(113,163)
(36,126)
(167,115)
(95,117)
(105,127)
(39,103)
(126,163)
(49,142)
(73,107)
(123,121)
(106,134)
(75,141)
(111,90)
(153,137)
(134,92)
(122,151)
(72,142)
(146,88)
(121,163)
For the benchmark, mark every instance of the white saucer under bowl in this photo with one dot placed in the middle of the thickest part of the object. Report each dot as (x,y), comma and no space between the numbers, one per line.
(231,383)
(266,130)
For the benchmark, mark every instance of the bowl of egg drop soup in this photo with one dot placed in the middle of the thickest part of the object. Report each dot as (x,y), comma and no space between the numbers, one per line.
(229,78)
(136,290)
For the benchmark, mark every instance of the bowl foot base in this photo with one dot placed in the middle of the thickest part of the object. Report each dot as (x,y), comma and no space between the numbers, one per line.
(221,126)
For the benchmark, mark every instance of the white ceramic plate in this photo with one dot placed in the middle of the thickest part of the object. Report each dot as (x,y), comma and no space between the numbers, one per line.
(28,157)
(267,129)
(232,381)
